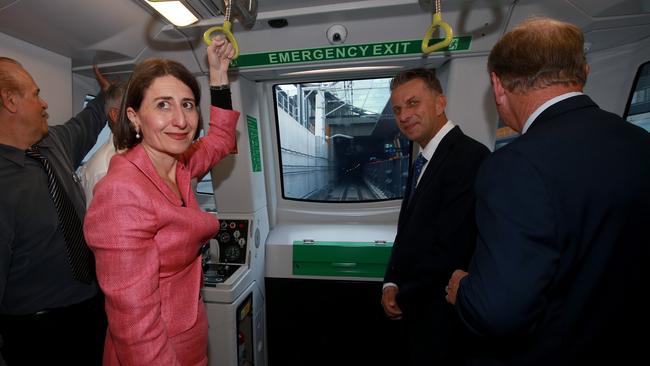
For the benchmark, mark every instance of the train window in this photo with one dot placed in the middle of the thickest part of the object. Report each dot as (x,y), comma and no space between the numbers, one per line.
(204,186)
(504,135)
(204,183)
(205,194)
(339,142)
(637,110)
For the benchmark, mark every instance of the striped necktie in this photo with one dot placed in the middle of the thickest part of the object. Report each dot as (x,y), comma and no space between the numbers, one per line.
(417,170)
(80,257)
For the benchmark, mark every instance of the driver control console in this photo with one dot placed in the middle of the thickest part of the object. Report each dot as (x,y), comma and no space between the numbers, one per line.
(226,252)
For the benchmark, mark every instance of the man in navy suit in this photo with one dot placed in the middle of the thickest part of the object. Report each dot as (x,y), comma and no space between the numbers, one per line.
(436,230)
(563,214)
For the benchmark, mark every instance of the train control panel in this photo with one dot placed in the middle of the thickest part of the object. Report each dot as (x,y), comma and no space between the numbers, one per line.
(226,252)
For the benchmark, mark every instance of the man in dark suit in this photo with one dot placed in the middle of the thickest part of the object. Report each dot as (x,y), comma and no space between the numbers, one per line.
(436,230)
(562,212)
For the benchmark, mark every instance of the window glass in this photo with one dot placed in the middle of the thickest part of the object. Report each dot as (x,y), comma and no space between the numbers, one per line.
(638,106)
(505,134)
(205,194)
(203,190)
(339,142)
(204,186)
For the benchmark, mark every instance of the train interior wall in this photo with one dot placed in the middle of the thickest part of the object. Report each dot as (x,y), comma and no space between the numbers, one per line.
(51,72)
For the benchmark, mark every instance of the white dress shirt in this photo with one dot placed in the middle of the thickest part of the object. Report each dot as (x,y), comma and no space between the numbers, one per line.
(95,168)
(428,150)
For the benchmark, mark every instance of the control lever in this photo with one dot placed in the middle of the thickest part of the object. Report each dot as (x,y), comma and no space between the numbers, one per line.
(214,251)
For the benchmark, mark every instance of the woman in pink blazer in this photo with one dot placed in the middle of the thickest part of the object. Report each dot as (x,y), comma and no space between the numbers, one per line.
(144,224)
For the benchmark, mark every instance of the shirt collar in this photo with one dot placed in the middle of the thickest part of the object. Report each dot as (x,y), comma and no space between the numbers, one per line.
(430,149)
(13,154)
(544,106)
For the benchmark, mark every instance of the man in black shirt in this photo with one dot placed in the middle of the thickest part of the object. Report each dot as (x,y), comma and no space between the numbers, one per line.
(47,315)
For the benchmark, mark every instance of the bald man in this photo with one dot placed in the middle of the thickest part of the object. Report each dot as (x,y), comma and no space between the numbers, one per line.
(47,314)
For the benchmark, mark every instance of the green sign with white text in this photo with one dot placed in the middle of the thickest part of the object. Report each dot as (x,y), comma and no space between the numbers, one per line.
(253,139)
(345,52)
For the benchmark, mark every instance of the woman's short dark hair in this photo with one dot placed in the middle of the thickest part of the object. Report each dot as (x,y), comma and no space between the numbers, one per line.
(141,79)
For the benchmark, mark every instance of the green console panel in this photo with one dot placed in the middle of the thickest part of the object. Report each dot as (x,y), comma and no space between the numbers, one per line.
(340,258)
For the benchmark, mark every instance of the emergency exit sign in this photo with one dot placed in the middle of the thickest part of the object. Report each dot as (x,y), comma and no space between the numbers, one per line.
(345,52)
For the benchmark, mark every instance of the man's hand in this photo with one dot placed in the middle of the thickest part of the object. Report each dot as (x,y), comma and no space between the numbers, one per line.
(390,305)
(101,79)
(452,286)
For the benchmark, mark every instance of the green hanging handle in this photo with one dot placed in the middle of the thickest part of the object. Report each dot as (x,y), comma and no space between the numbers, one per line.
(449,35)
(225,29)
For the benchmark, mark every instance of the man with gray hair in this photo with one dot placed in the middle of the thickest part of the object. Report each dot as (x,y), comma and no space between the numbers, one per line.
(97,166)
(562,214)
(51,307)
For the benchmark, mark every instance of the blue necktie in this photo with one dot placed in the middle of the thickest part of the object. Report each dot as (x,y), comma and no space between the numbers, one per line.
(417,170)
(80,257)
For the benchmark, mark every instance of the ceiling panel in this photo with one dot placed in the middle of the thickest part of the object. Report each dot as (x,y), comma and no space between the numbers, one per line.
(117,33)
(81,29)
(604,8)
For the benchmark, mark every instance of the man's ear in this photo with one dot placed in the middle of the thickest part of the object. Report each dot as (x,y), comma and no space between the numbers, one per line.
(9,100)
(441,104)
(112,115)
(497,88)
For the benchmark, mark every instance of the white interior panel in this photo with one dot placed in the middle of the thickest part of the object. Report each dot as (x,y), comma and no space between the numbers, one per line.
(51,72)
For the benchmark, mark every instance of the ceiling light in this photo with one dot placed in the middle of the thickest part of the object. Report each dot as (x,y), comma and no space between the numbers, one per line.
(341,69)
(174,11)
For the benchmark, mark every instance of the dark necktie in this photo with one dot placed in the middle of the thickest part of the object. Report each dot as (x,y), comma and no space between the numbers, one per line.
(80,257)
(417,170)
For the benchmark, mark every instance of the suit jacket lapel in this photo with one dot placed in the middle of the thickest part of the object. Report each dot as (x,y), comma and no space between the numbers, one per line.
(138,156)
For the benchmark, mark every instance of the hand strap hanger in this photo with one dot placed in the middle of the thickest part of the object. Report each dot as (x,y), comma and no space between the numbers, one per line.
(437,22)
(225,29)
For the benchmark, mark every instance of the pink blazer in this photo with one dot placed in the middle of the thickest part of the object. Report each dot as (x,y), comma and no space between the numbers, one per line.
(146,247)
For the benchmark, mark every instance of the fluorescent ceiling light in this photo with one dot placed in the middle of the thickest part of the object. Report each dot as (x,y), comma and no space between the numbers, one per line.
(174,11)
(341,69)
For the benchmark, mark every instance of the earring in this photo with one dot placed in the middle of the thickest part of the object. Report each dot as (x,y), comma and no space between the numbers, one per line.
(137,135)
